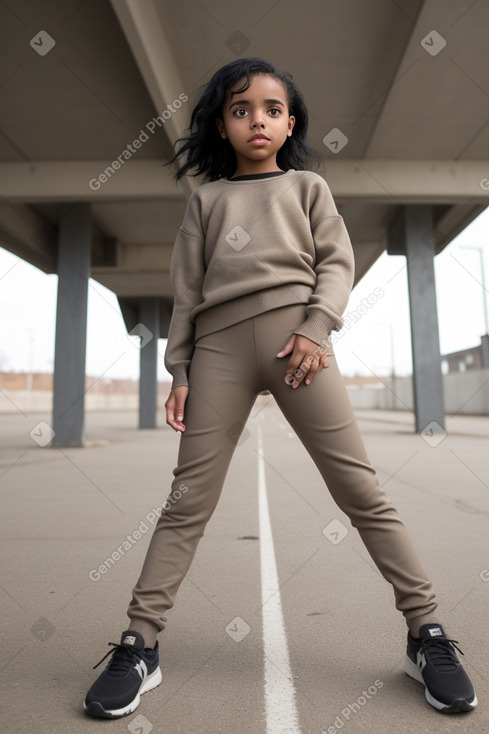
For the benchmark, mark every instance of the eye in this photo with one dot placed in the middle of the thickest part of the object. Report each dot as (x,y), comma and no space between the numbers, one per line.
(239,110)
(275,109)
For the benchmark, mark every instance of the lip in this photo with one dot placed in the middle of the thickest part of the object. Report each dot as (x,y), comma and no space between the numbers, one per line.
(259,139)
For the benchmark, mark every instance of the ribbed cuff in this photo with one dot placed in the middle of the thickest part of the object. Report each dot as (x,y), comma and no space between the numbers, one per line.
(148,630)
(317,327)
(180,374)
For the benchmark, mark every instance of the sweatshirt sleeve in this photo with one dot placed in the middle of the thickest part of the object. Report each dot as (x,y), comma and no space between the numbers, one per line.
(334,268)
(186,275)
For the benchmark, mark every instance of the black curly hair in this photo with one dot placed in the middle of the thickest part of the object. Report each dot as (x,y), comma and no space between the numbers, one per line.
(205,152)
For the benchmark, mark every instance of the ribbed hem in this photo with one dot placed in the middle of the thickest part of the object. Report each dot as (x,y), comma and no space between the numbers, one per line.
(148,630)
(231,312)
(415,624)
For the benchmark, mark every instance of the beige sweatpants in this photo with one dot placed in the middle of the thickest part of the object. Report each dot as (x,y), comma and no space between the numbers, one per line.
(229,368)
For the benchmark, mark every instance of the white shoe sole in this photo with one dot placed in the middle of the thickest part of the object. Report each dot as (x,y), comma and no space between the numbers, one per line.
(460,705)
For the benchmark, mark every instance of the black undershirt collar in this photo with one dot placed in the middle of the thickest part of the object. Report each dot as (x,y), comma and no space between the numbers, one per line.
(252,176)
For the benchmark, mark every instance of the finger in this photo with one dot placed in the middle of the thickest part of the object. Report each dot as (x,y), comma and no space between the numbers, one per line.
(313,370)
(308,370)
(288,347)
(293,370)
(176,424)
(297,375)
(178,416)
(174,418)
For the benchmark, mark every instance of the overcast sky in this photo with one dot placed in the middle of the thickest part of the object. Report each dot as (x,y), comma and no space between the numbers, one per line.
(377,332)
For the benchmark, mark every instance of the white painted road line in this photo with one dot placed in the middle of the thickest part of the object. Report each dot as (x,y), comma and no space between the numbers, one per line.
(280,703)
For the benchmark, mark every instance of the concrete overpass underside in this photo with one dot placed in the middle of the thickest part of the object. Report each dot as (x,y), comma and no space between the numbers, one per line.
(85,86)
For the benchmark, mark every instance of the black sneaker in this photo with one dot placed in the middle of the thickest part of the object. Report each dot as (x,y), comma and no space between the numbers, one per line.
(431,659)
(131,672)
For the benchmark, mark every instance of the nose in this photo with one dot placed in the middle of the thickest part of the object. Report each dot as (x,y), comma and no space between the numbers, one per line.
(257,121)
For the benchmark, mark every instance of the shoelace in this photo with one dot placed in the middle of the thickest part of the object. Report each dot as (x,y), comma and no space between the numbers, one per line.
(441,652)
(124,658)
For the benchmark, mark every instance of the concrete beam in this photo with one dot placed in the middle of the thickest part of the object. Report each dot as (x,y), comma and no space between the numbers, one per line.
(409,182)
(454,221)
(148,41)
(53,181)
(410,51)
(26,235)
(135,283)
(375,181)
(131,309)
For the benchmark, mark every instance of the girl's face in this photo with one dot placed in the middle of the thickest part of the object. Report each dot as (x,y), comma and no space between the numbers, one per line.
(257,123)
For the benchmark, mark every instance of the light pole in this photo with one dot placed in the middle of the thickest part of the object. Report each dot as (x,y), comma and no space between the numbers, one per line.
(391,342)
(30,367)
(483,281)
(391,333)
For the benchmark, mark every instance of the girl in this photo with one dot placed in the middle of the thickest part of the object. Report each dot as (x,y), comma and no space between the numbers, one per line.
(262,269)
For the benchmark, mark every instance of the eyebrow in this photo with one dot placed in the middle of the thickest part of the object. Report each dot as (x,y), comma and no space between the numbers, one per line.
(267,101)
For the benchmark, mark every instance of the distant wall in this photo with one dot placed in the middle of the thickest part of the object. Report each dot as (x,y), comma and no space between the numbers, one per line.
(41,401)
(465,393)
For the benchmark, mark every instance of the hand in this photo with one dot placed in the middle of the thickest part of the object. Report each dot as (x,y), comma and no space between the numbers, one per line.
(308,358)
(174,407)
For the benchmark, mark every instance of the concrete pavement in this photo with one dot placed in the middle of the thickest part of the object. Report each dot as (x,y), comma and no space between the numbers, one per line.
(66,511)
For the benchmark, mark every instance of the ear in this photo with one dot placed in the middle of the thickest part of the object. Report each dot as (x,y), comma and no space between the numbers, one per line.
(221,128)
(291,126)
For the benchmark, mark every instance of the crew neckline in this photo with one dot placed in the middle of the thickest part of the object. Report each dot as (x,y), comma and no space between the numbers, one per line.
(256,176)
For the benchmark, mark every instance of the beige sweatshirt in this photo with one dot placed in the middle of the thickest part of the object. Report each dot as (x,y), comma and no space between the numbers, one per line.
(248,246)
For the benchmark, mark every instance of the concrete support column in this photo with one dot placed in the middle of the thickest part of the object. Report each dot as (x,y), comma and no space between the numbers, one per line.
(149,331)
(413,235)
(485,350)
(73,267)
